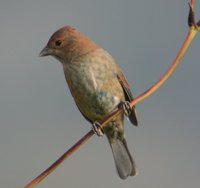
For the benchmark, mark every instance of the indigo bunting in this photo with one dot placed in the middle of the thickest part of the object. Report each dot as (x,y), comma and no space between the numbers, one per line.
(98,87)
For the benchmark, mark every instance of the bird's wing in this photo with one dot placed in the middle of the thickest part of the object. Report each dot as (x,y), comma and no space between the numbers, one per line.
(128,96)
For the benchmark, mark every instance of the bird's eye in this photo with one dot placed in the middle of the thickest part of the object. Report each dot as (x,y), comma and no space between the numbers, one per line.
(58,42)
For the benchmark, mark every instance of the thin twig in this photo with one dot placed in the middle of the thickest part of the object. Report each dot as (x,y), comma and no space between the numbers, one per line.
(60,160)
(189,37)
(192,3)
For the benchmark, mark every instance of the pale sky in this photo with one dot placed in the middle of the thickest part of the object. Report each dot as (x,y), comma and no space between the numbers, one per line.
(39,120)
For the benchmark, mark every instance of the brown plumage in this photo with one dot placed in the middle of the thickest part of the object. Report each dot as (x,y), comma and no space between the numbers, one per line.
(97,85)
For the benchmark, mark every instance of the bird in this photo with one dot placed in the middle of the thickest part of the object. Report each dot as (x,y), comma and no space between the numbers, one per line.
(98,87)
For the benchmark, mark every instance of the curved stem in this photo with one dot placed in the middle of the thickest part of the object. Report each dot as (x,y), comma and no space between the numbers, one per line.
(191,34)
(39,178)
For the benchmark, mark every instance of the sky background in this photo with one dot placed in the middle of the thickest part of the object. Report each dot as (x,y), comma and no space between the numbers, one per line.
(39,120)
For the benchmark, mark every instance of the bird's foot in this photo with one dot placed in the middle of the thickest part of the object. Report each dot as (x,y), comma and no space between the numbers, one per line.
(96,127)
(127,108)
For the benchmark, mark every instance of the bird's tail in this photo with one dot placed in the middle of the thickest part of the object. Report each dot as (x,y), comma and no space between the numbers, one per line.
(124,162)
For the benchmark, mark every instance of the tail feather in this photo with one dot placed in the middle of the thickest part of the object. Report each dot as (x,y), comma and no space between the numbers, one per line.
(124,162)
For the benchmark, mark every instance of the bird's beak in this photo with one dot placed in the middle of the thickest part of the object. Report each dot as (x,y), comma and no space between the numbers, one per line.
(45,52)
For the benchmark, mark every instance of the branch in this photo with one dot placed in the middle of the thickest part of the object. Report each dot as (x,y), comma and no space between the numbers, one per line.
(193,30)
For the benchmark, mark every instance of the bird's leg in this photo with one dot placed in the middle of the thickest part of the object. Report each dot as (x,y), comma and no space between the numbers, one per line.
(96,127)
(126,107)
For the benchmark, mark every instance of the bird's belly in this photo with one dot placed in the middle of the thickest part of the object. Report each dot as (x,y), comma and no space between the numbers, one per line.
(98,105)
(95,104)
(92,99)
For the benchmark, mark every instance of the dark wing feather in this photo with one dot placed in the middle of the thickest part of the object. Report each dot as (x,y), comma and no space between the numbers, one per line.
(128,97)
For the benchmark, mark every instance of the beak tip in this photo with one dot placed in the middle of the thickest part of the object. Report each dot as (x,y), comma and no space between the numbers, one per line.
(40,55)
(44,52)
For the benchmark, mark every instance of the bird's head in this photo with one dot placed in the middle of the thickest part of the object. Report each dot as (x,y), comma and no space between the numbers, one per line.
(66,44)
